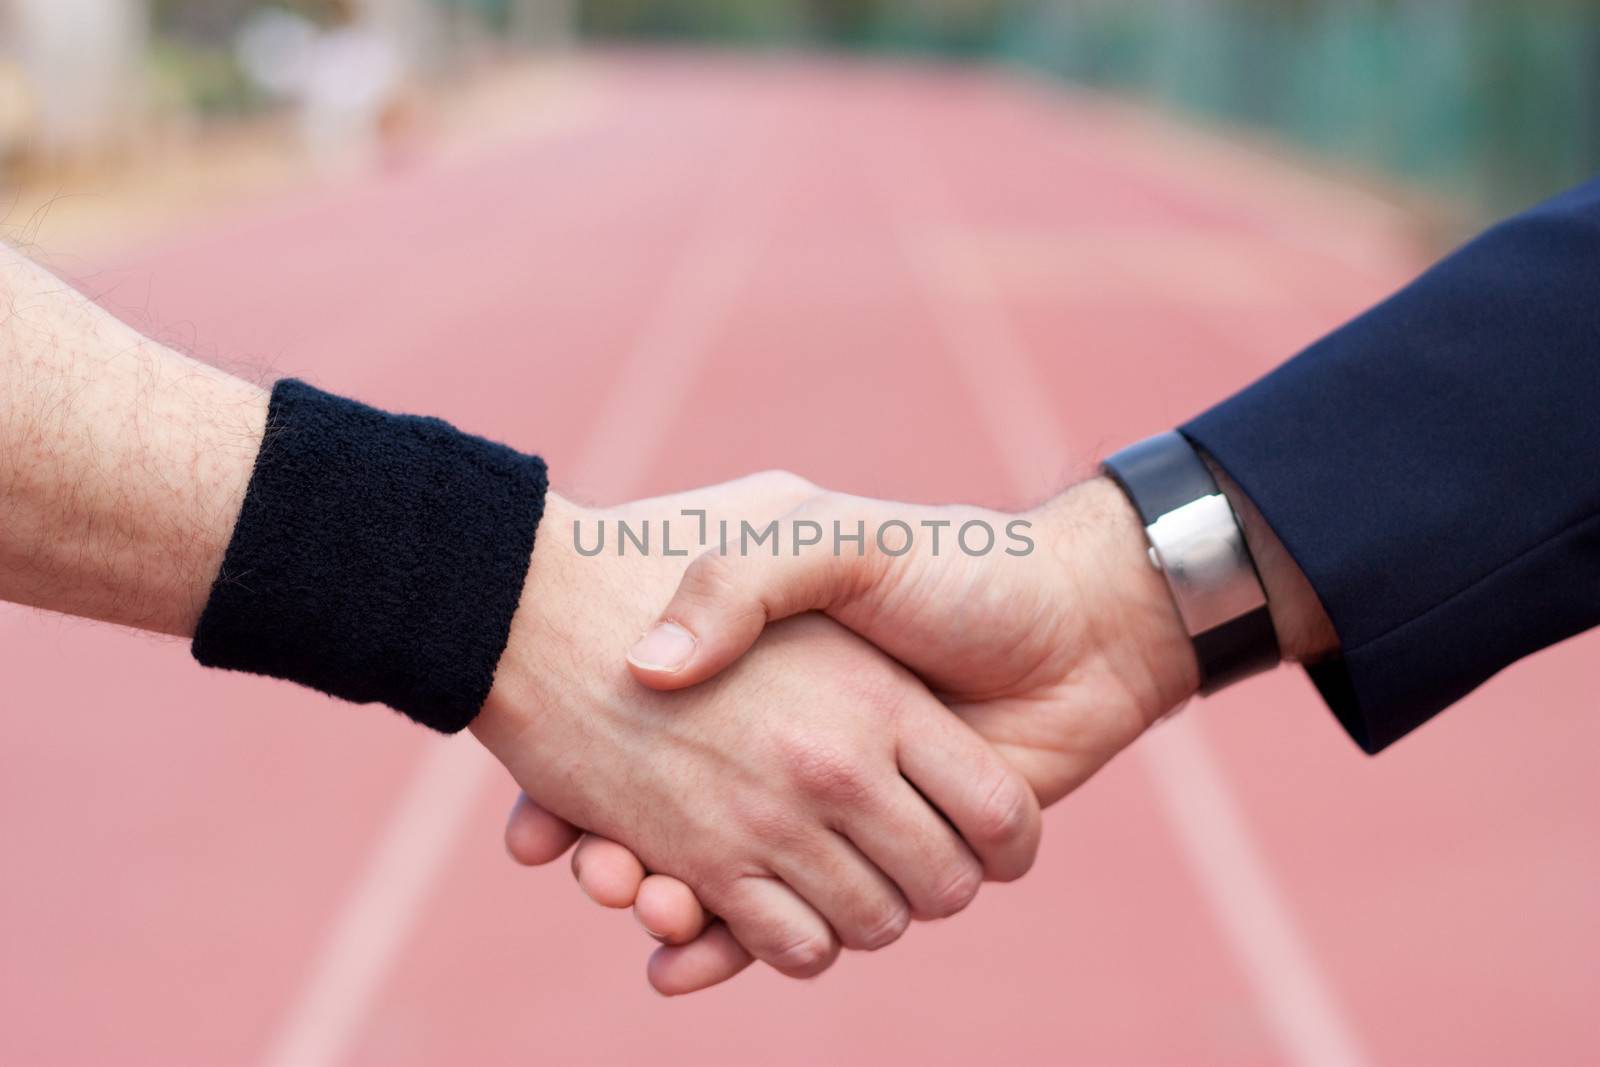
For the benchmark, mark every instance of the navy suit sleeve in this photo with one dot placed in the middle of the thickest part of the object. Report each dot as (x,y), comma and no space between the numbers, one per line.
(1434,468)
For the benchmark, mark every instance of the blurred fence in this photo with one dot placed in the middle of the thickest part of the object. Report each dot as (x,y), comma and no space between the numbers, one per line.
(1497,104)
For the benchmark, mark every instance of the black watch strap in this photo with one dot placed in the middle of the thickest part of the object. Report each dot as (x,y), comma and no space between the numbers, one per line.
(1235,650)
(1197,543)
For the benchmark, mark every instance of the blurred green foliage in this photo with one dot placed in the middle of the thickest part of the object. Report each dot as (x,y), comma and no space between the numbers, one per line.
(1497,104)
(214,21)
(942,26)
(206,80)
(191,55)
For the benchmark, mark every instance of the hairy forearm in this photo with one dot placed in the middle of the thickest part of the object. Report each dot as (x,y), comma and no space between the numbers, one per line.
(122,463)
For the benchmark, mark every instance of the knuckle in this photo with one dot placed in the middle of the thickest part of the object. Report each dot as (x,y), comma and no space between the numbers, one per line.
(804,956)
(1006,815)
(718,586)
(782,483)
(819,502)
(884,928)
(956,890)
(711,577)
(825,772)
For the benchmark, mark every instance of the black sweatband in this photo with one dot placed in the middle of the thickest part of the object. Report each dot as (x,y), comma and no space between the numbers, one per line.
(377,557)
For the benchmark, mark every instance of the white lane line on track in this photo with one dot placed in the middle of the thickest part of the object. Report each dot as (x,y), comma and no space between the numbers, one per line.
(1239,888)
(1226,862)
(385,903)
(382,905)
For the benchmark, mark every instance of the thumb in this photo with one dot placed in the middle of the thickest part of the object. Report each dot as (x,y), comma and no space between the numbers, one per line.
(725,601)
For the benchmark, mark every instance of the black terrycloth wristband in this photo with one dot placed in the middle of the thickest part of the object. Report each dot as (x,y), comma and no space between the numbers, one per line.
(377,557)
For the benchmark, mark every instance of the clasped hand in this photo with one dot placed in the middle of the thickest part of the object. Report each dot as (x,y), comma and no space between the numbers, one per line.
(805,788)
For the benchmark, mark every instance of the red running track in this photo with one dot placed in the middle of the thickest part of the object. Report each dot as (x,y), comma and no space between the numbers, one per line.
(896,281)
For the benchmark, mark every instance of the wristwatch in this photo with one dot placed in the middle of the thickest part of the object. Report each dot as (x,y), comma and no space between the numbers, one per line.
(1198,545)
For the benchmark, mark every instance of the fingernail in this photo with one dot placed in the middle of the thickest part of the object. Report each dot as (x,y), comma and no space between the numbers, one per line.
(666,647)
(659,937)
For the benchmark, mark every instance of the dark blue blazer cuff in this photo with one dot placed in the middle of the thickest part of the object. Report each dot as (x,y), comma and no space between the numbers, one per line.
(1434,468)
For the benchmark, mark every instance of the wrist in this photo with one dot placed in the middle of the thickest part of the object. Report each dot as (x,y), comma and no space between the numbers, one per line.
(1137,627)
(1128,610)
(535,626)
(377,557)
(1305,633)
(219,454)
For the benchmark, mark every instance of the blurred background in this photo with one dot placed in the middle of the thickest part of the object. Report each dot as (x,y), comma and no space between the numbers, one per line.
(923,249)
(1489,106)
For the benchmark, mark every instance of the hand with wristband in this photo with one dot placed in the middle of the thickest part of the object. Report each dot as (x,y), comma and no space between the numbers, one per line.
(818,795)
(813,795)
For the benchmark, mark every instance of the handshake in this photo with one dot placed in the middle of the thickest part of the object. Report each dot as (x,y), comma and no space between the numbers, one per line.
(843,714)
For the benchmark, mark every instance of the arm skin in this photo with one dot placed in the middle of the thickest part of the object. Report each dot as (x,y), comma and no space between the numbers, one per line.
(122,463)
(817,795)
(1060,660)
